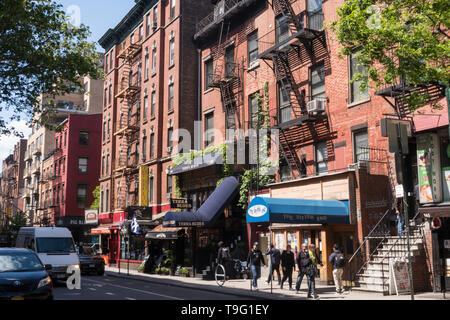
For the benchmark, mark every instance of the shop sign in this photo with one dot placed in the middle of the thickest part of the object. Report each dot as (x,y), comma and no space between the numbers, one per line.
(91,216)
(257,210)
(429,168)
(143,186)
(446,183)
(399,277)
(181,203)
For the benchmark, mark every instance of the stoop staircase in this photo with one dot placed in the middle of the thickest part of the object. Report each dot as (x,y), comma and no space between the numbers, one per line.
(369,268)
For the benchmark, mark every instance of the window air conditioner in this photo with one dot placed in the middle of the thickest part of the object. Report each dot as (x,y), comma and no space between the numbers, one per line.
(316,106)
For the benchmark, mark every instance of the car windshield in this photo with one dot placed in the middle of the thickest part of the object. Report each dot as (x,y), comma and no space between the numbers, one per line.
(19,262)
(55,245)
(87,251)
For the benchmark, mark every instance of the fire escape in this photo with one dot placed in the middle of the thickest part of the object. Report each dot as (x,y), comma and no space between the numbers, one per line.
(280,52)
(127,125)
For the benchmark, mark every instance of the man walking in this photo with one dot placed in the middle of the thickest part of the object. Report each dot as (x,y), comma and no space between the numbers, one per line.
(287,264)
(223,258)
(302,260)
(337,259)
(254,260)
(275,257)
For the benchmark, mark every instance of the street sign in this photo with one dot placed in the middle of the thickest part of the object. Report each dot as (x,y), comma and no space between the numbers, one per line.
(399,191)
(393,129)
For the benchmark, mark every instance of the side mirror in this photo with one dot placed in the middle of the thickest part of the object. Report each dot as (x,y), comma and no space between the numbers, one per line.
(48,267)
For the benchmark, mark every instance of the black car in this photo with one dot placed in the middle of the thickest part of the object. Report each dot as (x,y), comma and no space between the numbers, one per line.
(23,276)
(90,262)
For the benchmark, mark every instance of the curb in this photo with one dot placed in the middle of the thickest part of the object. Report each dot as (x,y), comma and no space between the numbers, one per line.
(233,291)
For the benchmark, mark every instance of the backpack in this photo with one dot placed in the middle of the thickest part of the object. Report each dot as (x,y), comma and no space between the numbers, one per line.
(224,253)
(339,260)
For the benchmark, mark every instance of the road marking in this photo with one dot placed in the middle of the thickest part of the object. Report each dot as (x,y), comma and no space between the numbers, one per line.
(138,290)
(129,298)
(93,289)
(110,293)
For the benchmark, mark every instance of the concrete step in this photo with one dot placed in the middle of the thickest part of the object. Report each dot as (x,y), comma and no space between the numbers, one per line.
(395,249)
(372,279)
(371,288)
(381,258)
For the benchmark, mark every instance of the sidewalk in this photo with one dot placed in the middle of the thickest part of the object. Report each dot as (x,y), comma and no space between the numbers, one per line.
(241,287)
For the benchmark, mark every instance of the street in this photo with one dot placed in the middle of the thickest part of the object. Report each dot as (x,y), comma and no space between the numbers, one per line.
(112,288)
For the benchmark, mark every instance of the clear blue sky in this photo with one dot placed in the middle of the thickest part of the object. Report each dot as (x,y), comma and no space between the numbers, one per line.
(99,15)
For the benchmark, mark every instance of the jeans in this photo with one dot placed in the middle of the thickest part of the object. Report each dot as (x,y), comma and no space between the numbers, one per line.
(287,274)
(400,224)
(256,273)
(273,268)
(299,280)
(311,286)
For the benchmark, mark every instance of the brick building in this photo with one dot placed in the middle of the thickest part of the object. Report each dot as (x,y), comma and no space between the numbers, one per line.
(149,93)
(12,180)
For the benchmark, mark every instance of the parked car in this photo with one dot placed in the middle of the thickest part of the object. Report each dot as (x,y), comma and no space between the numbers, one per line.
(90,262)
(54,246)
(23,276)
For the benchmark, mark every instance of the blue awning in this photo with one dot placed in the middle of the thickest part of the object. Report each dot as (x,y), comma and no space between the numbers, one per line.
(300,211)
(207,214)
(204,161)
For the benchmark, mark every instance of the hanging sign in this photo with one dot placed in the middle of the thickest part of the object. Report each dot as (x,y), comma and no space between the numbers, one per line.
(436,223)
(429,168)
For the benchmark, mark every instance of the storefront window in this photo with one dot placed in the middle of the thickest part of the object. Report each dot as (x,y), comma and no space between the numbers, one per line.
(279,240)
(137,248)
(292,240)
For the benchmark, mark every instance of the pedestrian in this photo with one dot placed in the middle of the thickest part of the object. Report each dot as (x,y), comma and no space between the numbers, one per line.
(399,222)
(224,258)
(275,257)
(312,271)
(254,260)
(301,259)
(287,264)
(337,259)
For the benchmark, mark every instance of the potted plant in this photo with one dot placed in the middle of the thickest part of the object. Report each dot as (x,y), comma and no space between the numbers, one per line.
(158,270)
(165,270)
(184,272)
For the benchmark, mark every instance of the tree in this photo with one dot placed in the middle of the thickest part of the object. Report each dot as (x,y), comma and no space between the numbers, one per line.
(96,203)
(13,225)
(40,51)
(397,39)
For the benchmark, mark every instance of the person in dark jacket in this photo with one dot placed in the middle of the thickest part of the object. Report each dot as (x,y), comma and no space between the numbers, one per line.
(224,258)
(275,257)
(302,261)
(312,271)
(287,264)
(254,260)
(337,259)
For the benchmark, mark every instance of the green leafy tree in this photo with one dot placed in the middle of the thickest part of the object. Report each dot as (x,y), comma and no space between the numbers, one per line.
(397,39)
(13,224)
(40,51)
(96,203)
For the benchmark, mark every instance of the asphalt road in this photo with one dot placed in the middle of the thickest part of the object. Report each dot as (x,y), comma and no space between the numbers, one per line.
(112,288)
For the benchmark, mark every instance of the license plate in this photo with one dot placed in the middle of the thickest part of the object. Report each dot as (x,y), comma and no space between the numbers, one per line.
(91,265)
(59,276)
(17,298)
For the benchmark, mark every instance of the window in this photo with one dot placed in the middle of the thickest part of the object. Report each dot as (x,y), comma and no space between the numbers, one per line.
(139,74)
(285,172)
(145,105)
(169,186)
(101,201)
(317,82)
(254,110)
(58,193)
(321,157)
(229,62)
(62,194)
(154,61)
(356,94)
(172,52)
(231,120)
(132,38)
(84,138)
(153,102)
(150,189)
(282,28)
(209,129)
(103,165)
(109,128)
(137,153)
(104,130)
(152,142)
(284,104)
(106,63)
(172,8)
(169,137)
(252,45)
(82,164)
(107,163)
(141,32)
(107,200)
(155,16)
(171,93)
(81,196)
(361,146)
(146,64)
(111,59)
(209,74)
(147,27)
(110,93)
(105,98)
(144,145)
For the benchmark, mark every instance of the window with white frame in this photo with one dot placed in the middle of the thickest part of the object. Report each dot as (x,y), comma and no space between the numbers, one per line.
(321,157)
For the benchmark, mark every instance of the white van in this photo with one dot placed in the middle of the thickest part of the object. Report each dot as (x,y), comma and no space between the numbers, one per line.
(54,246)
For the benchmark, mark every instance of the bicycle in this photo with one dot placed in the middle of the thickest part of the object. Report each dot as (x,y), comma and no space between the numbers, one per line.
(220,275)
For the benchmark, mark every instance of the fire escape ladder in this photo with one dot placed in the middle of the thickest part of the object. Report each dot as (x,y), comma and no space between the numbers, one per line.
(295,24)
(290,155)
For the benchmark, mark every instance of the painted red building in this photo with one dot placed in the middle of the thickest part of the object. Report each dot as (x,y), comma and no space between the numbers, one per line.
(73,174)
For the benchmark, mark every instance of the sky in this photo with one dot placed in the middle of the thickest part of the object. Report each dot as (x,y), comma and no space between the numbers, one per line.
(99,15)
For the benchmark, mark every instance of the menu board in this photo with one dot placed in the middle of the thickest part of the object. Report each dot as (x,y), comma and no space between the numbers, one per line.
(429,168)
(399,277)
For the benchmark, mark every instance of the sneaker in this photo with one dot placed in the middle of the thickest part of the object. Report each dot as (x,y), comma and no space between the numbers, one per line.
(297,292)
(290,289)
(308,297)
(316,297)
